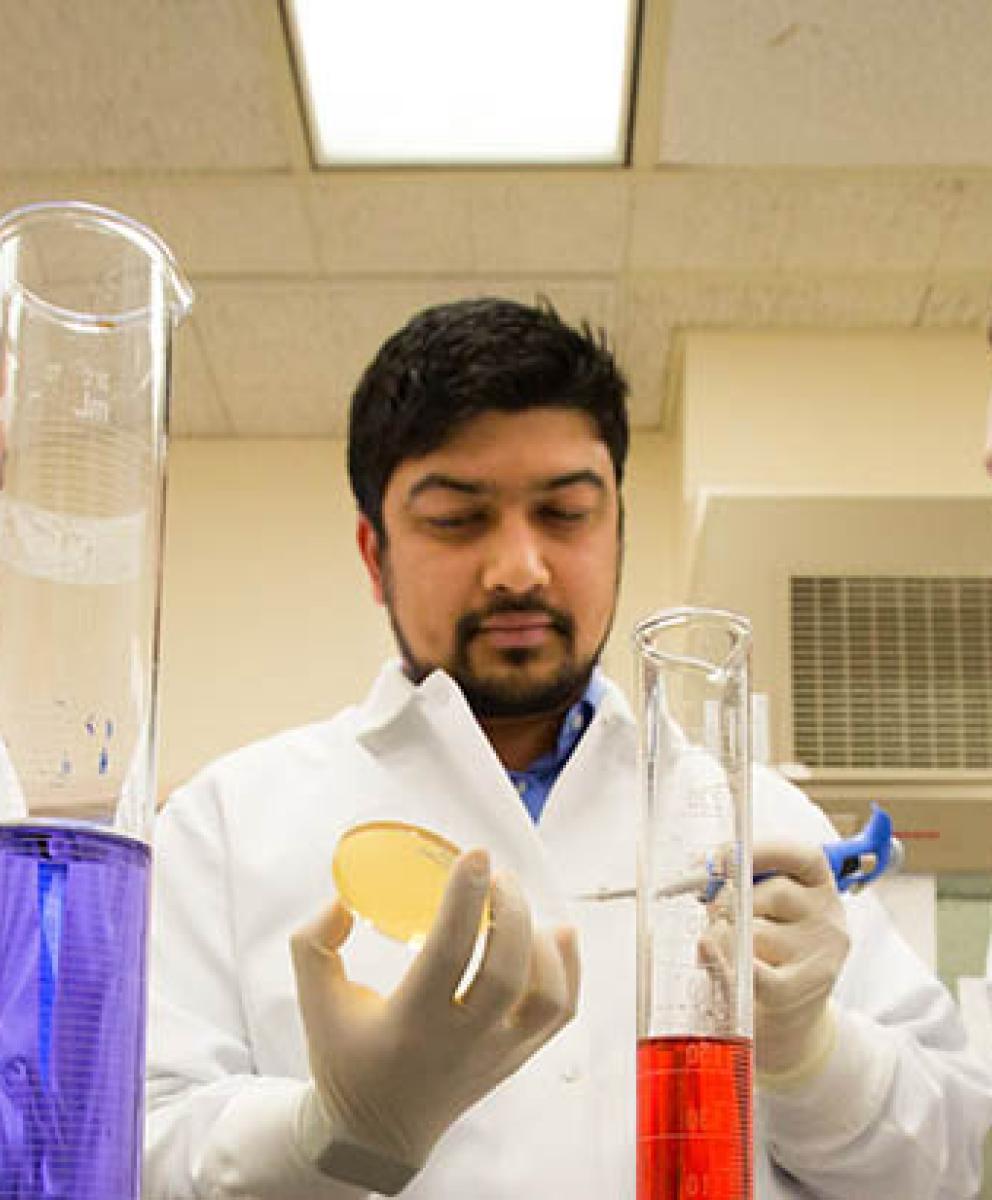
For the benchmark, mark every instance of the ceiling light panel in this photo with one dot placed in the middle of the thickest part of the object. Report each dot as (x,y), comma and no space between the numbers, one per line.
(462,82)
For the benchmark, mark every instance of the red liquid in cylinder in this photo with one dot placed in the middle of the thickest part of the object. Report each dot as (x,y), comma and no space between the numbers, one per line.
(694,1139)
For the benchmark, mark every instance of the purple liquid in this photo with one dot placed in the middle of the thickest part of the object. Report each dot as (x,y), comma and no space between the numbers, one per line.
(73,918)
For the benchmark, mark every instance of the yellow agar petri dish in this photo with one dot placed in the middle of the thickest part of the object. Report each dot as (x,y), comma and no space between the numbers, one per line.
(393,875)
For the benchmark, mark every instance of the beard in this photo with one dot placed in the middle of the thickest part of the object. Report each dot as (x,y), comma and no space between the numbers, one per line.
(515,688)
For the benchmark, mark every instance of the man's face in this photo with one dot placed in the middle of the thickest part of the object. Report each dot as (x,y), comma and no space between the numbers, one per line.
(502,557)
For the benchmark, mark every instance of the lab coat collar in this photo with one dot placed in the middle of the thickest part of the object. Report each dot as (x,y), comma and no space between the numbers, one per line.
(613,706)
(393,695)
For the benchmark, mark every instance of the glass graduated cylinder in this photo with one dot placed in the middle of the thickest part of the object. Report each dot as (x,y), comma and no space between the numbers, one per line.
(393,875)
(88,303)
(694,1123)
(694,940)
(73,907)
(694,1008)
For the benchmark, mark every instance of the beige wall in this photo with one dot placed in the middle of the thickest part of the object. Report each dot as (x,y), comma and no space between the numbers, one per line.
(897,413)
(268,619)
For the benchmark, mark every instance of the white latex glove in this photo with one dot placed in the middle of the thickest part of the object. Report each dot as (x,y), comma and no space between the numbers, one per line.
(390,1074)
(800,943)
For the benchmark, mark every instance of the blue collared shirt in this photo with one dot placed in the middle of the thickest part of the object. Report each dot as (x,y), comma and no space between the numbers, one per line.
(536,781)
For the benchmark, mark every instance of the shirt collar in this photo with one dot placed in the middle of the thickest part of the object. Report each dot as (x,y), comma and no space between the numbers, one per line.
(574,724)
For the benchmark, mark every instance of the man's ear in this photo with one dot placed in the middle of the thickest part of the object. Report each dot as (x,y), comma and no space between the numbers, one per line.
(369,549)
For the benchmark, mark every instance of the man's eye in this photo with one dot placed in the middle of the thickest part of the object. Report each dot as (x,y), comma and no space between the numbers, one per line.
(565,516)
(455,521)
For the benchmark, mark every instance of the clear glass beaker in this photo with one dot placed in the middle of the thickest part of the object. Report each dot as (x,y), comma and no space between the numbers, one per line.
(88,302)
(694,1004)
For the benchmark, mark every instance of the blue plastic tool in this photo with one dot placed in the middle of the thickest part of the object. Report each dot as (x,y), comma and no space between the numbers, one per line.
(855,861)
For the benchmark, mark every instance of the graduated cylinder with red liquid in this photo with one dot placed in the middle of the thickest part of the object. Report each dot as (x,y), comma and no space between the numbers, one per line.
(694,1003)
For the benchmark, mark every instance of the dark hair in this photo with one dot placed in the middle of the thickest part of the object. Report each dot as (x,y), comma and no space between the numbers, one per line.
(454,361)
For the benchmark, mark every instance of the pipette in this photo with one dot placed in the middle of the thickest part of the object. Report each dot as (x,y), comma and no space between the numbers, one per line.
(855,862)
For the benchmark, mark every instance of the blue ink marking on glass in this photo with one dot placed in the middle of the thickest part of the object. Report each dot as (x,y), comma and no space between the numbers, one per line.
(66,765)
(104,760)
(109,726)
(91,727)
(51,902)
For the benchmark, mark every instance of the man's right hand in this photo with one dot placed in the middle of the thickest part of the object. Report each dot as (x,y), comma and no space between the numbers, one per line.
(390,1074)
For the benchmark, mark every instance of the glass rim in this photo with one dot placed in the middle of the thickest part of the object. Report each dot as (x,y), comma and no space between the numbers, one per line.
(29,217)
(737,626)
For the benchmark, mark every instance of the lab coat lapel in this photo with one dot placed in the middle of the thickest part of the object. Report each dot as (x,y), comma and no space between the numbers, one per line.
(590,821)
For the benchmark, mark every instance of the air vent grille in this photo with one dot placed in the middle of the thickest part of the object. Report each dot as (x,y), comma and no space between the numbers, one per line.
(892,671)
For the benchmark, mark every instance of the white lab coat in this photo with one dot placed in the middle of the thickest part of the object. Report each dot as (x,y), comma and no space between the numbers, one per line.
(243,858)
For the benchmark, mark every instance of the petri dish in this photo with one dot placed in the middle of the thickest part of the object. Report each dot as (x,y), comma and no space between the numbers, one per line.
(393,875)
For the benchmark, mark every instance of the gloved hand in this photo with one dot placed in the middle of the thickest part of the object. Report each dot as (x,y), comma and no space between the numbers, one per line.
(800,943)
(390,1074)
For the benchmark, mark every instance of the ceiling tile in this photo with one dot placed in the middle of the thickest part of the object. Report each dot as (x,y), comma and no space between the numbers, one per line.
(953,302)
(831,82)
(447,223)
(708,220)
(814,221)
(125,196)
(572,223)
(864,223)
(967,244)
(276,351)
(142,84)
(234,226)
(391,224)
(196,408)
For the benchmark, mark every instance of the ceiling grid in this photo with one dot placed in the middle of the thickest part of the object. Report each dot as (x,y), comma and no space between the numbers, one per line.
(821,165)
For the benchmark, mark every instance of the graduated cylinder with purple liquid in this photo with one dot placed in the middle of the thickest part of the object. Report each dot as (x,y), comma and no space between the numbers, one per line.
(88,301)
(73,917)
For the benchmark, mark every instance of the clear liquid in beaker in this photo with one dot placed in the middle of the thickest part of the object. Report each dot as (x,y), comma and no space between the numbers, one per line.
(78,583)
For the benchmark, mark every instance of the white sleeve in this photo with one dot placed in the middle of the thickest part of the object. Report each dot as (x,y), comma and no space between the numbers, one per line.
(901,1108)
(215,1129)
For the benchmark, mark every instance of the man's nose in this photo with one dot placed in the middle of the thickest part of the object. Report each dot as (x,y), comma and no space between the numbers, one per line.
(515,560)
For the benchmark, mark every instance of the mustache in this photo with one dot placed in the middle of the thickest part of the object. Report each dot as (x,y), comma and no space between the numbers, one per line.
(470,623)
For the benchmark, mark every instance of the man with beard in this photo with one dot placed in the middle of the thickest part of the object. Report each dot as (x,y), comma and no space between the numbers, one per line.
(292,1057)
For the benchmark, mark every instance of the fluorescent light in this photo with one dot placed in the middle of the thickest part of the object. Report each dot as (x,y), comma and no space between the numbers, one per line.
(465,81)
